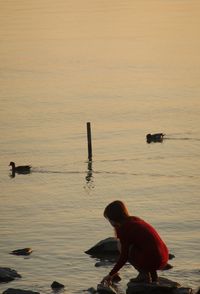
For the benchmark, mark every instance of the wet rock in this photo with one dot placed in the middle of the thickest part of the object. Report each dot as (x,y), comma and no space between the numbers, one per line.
(8,274)
(164,286)
(198,291)
(104,263)
(110,262)
(91,290)
(171,256)
(24,251)
(18,291)
(167,267)
(183,290)
(106,247)
(57,286)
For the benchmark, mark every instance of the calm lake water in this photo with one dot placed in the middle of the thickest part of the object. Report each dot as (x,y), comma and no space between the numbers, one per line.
(130,67)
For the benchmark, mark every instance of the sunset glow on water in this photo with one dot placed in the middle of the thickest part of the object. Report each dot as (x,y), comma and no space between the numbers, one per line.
(130,68)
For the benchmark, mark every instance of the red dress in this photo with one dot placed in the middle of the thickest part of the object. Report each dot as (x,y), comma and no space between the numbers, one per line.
(141,246)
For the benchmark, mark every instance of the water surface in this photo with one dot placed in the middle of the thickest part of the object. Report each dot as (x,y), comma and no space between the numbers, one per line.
(129,67)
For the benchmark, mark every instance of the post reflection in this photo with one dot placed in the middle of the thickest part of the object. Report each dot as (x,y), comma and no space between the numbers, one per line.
(89,177)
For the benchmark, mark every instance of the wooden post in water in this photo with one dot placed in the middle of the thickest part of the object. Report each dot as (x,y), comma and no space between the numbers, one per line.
(89,139)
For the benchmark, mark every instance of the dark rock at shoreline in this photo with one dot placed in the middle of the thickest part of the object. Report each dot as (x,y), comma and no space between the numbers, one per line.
(103,263)
(171,256)
(91,290)
(57,286)
(164,286)
(24,251)
(108,248)
(18,291)
(8,275)
(167,267)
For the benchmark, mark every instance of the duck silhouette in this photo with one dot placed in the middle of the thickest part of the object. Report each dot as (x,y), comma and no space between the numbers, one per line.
(154,137)
(24,251)
(21,169)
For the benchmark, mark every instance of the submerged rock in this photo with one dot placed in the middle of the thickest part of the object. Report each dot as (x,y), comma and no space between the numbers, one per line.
(104,263)
(24,251)
(8,274)
(164,286)
(19,291)
(91,290)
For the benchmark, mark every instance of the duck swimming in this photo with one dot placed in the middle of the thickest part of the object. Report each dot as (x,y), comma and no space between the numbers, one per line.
(23,169)
(154,137)
(24,251)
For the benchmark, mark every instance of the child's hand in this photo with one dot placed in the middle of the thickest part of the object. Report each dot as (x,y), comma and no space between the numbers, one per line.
(106,280)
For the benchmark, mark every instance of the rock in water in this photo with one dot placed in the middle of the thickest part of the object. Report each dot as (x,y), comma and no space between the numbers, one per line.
(106,247)
(164,286)
(104,263)
(91,290)
(8,274)
(167,267)
(171,256)
(103,289)
(56,286)
(24,251)
(18,291)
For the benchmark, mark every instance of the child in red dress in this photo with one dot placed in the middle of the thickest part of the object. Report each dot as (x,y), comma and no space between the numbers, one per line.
(140,244)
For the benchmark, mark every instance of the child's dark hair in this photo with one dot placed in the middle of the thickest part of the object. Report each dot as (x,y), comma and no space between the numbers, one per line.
(116,211)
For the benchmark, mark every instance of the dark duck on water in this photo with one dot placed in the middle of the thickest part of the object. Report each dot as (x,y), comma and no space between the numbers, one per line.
(21,169)
(155,137)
